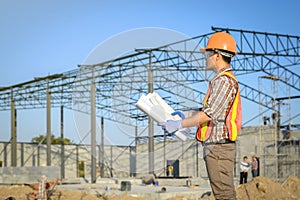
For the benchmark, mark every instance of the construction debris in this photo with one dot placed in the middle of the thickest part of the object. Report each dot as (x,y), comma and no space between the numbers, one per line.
(258,188)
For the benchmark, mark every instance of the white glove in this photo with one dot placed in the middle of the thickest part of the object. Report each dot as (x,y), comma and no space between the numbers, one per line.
(172,125)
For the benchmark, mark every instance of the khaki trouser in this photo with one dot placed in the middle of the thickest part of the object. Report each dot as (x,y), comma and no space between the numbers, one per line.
(219,160)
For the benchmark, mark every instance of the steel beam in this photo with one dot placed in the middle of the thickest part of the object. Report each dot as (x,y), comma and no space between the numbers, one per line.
(262,52)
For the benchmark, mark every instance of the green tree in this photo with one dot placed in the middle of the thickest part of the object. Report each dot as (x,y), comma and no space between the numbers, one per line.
(54,140)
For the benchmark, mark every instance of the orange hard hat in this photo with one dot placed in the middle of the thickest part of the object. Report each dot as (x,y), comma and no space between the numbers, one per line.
(221,41)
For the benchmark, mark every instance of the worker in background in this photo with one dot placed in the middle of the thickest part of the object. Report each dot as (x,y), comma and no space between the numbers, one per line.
(254,167)
(244,167)
(220,118)
(150,179)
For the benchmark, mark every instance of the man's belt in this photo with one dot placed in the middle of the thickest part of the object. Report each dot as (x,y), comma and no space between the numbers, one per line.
(222,141)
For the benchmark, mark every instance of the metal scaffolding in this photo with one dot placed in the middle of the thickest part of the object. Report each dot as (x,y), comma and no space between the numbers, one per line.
(109,90)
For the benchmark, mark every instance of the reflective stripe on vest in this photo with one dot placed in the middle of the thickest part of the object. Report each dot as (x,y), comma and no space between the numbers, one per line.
(233,118)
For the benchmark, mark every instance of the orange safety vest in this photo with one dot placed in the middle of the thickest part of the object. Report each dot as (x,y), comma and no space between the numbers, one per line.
(233,117)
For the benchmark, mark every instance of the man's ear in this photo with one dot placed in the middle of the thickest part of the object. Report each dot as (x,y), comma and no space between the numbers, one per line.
(218,56)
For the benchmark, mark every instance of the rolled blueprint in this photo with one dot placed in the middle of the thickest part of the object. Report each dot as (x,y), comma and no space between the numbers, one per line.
(155,107)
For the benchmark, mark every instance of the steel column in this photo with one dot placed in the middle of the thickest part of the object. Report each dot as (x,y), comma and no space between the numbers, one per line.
(93,132)
(102,148)
(150,120)
(48,128)
(13,134)
(62,145)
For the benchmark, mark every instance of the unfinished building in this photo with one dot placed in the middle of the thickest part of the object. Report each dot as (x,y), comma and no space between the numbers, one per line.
(266,66)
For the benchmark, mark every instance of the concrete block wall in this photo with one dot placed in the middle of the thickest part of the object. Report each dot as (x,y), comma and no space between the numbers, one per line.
(119,160)
(27,175)
(116,158)
(187,153)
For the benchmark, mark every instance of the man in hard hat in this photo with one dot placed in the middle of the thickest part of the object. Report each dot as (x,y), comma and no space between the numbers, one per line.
(220,118)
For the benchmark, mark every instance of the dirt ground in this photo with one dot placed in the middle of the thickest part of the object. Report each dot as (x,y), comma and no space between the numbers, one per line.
(268,189)
(258,188)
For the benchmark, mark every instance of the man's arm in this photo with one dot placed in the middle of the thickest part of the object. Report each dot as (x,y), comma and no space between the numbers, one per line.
(195,120)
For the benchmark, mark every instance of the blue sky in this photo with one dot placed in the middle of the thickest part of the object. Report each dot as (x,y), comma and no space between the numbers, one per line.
(47,37)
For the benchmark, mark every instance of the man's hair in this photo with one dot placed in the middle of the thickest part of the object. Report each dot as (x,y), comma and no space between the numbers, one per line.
(226,59)
(245,157)
(226,55)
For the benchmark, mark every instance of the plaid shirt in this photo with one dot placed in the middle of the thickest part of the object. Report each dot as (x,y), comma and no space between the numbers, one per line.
(223,90)
(254,165)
